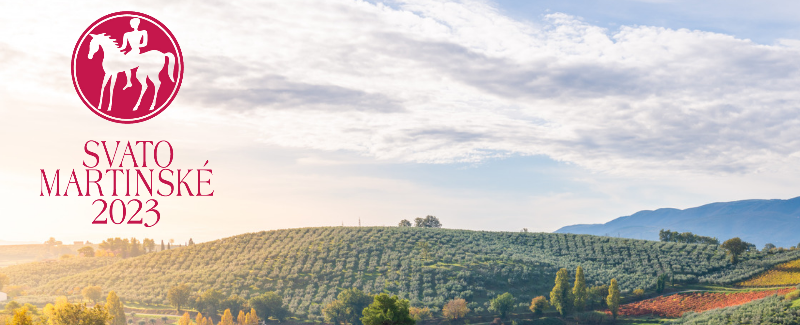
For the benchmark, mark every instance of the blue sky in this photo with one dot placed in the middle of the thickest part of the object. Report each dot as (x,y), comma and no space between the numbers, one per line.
(490,115)
(761,21)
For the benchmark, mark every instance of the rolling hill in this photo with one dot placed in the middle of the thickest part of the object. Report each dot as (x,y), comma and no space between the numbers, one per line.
(18,254)
(429,266)
(755,221)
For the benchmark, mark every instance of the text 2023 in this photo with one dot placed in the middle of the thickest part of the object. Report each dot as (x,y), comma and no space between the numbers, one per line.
(123,205)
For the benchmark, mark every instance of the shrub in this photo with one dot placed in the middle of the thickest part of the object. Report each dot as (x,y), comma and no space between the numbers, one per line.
(539,305)
(792,295)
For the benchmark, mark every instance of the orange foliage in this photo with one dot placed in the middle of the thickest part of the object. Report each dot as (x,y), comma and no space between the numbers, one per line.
(677,304)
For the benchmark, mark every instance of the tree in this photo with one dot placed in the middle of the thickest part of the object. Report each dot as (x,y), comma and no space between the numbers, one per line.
(579,290)
(185,319)
(387,310)
(208,302)
(162,245)
(53,242)
(11,306)
(21,317)
(93,293)
(735,247)
(269,304)
(427,222)
(419,314)
(241,318)
(539,305)
(227,318)
(251,318)
(72,314)
(613,298)
(661,283)
(455,309)
(768,247)
(347,307)
(191,242)
(425,249)
(503,304)
(150,244)
(234,303)
(561,296)
(115,309)
(179,296)
(3,280)
(200,320)
(86,251)
(404,223)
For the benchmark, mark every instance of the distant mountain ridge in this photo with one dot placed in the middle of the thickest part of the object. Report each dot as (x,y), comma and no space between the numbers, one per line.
(756,221)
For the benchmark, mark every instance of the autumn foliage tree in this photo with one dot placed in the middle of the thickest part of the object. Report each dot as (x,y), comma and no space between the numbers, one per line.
(455,309)
(539,305)
(420,313)
(185,319)
(227,318)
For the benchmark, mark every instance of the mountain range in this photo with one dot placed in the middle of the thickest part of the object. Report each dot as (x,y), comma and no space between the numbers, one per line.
(755,221)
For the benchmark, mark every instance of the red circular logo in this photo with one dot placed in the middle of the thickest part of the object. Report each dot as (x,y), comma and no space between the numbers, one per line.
(127,67)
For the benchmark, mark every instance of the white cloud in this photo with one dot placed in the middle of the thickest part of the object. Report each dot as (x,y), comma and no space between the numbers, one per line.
(440,81)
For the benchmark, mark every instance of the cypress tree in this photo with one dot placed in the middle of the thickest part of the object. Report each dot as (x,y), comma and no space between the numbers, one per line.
(579,290)
(227,318)
(613,298)
(115,309)
(162,245)
(561,296)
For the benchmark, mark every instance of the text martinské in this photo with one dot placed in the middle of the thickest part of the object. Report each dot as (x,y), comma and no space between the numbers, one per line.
(129,174)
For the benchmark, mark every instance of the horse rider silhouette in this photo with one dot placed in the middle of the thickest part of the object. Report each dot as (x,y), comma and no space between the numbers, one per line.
(137,39)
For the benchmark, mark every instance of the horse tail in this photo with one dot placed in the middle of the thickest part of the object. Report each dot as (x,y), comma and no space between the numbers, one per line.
(170,66)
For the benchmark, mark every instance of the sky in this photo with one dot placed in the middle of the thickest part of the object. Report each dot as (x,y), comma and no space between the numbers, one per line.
(490,115)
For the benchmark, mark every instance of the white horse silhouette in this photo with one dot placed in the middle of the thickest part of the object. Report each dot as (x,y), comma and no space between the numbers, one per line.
(150,64)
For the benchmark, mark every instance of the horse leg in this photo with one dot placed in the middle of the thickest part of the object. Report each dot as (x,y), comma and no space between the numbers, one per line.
(143,81)
(111,94)
(156,83)
(106,77)
(128,78)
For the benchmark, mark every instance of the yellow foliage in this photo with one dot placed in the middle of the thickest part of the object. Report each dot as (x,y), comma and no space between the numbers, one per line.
(227,318)
(185,319)
(103,253)
(251,318)
(784,274)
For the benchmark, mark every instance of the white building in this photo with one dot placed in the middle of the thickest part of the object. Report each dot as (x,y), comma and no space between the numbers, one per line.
(3,296)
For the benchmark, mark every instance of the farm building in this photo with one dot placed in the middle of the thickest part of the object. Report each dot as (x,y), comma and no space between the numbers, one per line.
(3,296)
